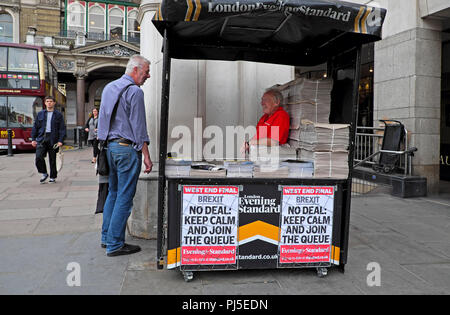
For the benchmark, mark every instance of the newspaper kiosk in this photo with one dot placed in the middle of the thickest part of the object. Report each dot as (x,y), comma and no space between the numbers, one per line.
(259,223)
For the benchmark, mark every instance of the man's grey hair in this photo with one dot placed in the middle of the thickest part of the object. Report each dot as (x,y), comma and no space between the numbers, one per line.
(136,61)
(276,95)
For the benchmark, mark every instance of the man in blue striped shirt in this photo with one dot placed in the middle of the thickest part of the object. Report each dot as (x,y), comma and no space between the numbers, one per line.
(127,139)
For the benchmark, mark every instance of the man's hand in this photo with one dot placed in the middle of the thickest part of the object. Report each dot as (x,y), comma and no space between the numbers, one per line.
(148,165)
(147,162)
(59,144)
(86,129)
(34,144)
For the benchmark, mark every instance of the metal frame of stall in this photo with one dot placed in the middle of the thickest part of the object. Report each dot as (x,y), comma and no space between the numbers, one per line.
(170,188)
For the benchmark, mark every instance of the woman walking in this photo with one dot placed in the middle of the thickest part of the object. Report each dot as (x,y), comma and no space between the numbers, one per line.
(91,128)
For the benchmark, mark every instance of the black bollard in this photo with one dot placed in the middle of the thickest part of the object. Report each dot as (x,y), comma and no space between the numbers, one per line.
(10,147)
(80,138)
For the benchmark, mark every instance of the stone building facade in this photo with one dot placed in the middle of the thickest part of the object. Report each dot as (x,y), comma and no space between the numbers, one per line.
(89,41)
(407,79)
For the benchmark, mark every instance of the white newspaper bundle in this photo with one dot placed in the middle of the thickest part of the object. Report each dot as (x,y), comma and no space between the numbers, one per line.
(331,164)
(270,171)
(239,168)
(299,169)
(323,137)
(306,99)
(310,110)
(178,168)
(317,91)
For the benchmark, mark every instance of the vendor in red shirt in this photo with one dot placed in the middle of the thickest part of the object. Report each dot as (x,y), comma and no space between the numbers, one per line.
(273,127)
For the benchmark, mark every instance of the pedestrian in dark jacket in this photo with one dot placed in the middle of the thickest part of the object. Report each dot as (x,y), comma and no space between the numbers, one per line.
(48,135)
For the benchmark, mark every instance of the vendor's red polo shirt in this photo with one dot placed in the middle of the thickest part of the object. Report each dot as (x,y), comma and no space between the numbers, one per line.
(278,119)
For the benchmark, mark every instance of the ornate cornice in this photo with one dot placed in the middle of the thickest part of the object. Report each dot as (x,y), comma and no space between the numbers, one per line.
(147,6)
(113,50)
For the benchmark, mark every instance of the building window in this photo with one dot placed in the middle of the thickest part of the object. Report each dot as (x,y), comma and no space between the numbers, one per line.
(116,23)
(133,26)
(96,23)
(6,28)
(22,60)
(76,19)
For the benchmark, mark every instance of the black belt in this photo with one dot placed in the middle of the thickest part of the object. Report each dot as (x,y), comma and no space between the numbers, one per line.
(121,140)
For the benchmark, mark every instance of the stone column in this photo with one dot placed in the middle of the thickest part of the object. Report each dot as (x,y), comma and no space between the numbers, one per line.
(81,90)
(407,83)
(81,74)
(151,44)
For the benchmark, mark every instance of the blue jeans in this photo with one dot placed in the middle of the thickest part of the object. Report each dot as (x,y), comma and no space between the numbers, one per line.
(124,169)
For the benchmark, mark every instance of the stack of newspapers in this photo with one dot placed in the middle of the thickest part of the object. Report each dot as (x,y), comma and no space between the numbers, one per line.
(324,137)
(239,168)
(178,168)
(327,146)
(306,100)
(331,164)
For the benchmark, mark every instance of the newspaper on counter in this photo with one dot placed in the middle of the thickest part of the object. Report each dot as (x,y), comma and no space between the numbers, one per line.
(207,170)
(239,168)
(270,171)
(299,169)
(178,167)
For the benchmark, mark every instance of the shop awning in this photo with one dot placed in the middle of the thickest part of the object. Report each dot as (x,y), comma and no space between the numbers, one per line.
(293,32)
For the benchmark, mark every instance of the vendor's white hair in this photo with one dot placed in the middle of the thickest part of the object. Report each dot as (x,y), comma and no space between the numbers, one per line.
(276,95)
(136,61)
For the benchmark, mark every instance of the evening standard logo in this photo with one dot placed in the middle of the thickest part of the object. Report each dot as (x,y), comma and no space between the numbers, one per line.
(258,204)
(287,9)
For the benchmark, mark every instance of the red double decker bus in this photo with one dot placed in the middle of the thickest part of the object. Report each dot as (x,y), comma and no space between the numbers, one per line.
(26,77)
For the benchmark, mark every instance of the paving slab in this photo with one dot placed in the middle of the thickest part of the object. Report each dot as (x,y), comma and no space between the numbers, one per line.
(76,211)
(48,227)
(23,214)
(37,196)
(25,204)
(80,202)
(18,227)
(60,225)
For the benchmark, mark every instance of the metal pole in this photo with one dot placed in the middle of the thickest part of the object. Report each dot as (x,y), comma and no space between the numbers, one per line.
(10,147)
(75,135)
(164,123)
(346,210)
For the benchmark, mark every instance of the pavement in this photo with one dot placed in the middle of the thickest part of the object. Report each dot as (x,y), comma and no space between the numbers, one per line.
(49,231)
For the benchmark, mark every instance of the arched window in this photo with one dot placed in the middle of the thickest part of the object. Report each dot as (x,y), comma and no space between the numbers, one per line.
(6,28)
(115,23)
(76,19)
(97,22)
(133,26)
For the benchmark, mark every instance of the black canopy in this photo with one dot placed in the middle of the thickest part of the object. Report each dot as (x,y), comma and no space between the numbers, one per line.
(293,32)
